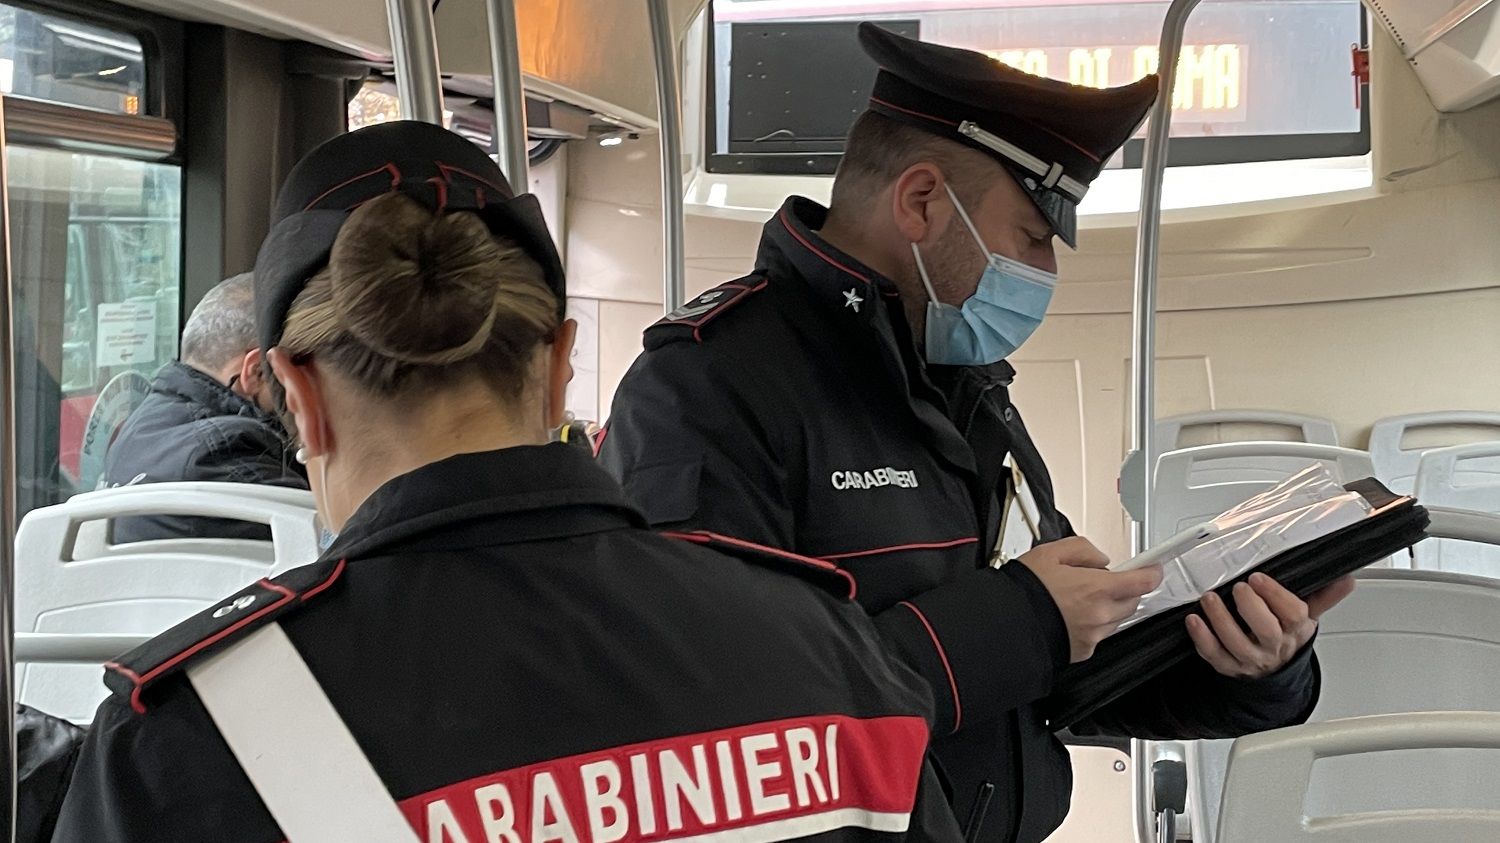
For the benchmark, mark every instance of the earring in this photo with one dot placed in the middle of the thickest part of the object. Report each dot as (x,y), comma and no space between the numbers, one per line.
(301,456)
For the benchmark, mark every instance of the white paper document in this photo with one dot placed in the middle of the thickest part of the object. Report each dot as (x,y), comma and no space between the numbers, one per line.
(1304,508)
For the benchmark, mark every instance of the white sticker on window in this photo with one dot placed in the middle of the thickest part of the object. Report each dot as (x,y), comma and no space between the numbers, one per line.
(127,334)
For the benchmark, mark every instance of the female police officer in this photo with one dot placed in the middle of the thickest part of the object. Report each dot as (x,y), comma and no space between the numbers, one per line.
(514,656)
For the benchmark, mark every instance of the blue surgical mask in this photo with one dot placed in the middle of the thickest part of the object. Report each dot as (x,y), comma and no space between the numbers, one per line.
(1002,314)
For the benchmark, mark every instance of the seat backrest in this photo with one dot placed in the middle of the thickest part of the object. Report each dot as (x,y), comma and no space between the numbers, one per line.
(1306,428)
(1195,484)
(146,587)
(1270,790)
(1465,477)
(92,539)
(1403,641)
(1395,465)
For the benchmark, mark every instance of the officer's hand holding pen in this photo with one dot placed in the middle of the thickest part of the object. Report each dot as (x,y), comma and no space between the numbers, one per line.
(1093,601)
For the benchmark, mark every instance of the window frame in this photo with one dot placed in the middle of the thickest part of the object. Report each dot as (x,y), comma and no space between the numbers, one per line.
(162,53)
(1181,152)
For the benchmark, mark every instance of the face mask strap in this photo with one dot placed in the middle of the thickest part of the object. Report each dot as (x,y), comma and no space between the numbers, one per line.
(922,271)
(322,475)
(964,215)
(323,479)
(1024,270)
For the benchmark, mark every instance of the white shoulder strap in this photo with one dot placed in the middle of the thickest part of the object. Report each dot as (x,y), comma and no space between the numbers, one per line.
(312,776)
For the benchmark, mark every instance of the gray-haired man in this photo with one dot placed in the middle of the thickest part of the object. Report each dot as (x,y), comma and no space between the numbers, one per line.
(206,419)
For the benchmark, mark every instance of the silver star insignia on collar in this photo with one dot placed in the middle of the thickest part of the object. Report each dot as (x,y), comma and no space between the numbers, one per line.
(852,299)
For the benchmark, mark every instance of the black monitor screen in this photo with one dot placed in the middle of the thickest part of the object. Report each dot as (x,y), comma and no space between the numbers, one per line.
(797,87)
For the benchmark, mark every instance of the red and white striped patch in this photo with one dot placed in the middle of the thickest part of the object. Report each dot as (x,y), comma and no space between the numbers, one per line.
(761,782)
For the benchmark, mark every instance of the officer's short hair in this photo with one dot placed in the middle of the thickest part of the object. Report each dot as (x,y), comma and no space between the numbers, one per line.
(222,327)
(880,149)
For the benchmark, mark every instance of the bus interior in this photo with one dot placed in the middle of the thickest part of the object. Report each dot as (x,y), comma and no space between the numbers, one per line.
(1308,258)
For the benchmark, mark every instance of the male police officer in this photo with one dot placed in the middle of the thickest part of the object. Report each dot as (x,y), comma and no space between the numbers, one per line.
(848,400)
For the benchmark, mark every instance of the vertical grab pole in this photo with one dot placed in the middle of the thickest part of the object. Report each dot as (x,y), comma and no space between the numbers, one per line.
(669,118)
(1147,255)
(510,98)
(1143,341)
(8,488)
(414,52)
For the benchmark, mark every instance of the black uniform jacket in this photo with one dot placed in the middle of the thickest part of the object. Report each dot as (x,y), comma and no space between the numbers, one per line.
(789,408)
(191,427)
(521,659)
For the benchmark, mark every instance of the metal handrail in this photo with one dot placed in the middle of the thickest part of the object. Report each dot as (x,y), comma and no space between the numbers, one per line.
(1148,253)
(8,488)
(74,647)
(414,53)
(1143,342)
(669,120)
(510,98)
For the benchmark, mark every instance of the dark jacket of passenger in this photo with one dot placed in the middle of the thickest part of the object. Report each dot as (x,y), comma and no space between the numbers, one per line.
(502,636)
(193,428)
(46,750)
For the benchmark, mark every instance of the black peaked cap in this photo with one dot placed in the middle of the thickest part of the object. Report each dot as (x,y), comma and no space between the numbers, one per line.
(1052,136)
(438,168)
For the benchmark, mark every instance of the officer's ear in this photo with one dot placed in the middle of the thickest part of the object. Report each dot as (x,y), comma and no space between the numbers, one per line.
(919,204)
(304,400)
(559,371)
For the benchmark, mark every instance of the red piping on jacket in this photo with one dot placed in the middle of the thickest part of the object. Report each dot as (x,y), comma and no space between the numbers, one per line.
(286,595)
(707,537)
(876,551)
(958,709)
(816,251)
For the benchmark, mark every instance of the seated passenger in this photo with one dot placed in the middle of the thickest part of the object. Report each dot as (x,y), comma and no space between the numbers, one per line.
(515,654)
(207,419)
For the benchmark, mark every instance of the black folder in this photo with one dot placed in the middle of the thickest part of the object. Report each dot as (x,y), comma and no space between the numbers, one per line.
(1128,659)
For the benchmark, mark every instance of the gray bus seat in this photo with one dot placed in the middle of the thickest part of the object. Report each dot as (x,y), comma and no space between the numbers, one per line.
(1404,641)
(1271,790)
(1464,477)
(1196,484)
(1396,465)
(93,534)
(67,584)
(1225,423)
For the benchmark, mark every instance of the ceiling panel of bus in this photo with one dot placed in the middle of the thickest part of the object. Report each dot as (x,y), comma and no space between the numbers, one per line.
(594,53)
(600,49)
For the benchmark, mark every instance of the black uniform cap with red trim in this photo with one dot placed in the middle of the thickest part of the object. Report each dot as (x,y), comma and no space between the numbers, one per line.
(1053,137)
(438,168)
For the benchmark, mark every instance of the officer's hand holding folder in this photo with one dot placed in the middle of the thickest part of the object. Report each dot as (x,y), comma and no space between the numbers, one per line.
(1305,533)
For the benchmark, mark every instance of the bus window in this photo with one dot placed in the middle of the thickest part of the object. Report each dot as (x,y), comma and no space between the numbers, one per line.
(95,246)
(371,105)
(96,262)
(70,62)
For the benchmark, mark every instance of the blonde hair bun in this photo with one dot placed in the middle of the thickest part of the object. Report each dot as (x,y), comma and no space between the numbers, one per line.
(417,287)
